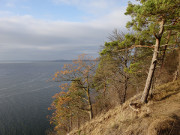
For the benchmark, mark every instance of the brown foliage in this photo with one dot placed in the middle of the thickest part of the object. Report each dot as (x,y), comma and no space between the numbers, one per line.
(74,100)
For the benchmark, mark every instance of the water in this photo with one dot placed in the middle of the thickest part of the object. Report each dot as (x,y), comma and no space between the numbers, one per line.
(25,95)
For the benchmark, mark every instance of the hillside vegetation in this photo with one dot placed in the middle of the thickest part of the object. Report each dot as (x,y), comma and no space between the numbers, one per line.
(161,116)
(143,62)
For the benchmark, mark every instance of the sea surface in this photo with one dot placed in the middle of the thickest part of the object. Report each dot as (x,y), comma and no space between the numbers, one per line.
(26,90)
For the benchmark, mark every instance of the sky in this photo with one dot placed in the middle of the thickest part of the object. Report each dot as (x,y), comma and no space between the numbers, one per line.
(57,29)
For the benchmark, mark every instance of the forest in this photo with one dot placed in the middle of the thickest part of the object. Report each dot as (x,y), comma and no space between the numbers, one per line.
(135,62)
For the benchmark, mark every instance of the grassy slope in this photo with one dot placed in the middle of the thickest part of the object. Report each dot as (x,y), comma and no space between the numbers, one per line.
(161,116)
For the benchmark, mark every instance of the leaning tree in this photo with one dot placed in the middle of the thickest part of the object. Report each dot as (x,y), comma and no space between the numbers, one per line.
(157,19)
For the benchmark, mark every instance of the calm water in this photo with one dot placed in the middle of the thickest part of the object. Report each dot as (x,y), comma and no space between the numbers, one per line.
(25,95)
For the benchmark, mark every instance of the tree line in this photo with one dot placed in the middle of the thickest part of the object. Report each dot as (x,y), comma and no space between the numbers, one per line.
(128,63)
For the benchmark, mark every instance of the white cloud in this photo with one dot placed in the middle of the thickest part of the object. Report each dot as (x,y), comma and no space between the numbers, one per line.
(93,3)
(96,7)
(26,7)
(5,13)
(26,35)
(10,4)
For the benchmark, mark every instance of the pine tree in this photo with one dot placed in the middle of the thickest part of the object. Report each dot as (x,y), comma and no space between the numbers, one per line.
(151,19)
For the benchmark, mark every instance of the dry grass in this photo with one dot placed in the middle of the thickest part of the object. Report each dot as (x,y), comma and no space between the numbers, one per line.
(166,90)
(161,116)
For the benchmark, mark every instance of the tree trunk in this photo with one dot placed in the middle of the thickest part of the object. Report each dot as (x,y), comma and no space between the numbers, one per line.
(78,122)
(165,48)
(125,82)
(177,73)
(125,76)
(90,106)
(89,100)
(125,89)
(70,126)
(104,92)
(153,64)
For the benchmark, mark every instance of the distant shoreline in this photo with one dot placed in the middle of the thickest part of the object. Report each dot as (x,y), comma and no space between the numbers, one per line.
(35,61)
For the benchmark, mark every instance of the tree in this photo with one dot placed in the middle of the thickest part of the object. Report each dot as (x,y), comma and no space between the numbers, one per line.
(152,17)
(115,62)
(61,117)
(69,105)
(80,72)
(177,72)
(74,100)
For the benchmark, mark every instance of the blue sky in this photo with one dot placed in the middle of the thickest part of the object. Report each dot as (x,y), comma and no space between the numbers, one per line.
(57,29)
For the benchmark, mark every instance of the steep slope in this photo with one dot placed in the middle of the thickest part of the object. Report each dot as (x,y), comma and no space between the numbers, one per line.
(161,116)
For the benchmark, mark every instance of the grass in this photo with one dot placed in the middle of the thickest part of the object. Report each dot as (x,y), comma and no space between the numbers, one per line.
(161,116)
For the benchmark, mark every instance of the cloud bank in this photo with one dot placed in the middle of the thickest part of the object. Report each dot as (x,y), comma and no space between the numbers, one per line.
(28,38)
